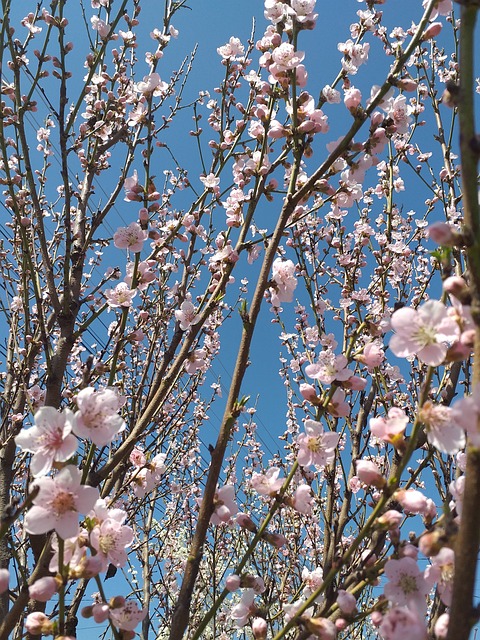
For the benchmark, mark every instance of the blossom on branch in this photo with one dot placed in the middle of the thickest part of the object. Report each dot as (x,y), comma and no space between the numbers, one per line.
(59,502)
(423,332)
(97,418)
(316,448)
(50,439)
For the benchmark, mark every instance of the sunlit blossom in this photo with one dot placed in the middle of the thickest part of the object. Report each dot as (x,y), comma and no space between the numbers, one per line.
(59,502)
(315,447)
(50,439)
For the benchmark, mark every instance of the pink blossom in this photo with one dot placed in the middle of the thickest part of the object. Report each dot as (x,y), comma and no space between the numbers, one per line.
(312,580)
(50,440)
(131,237)
(138,458)
(332,96)
(121,296)
(329,368)
(285,58)
(352,98)
(284,281)
(127,616)
(354,55)
(233,582)
(148,478)
(406,584)
(110,539)
(337,406)
(441,8)
(210,181)
(302,499)
(144,275)
(308,392)
(186,315)
(233,50)
(441,573)
(391,519)
(133,189)
(442,429)
(391,428)
(100,26)
(225,505)
(372,355)
(196,361)
(244,609)
(59,502)
(443,233)
(97,418)
(423,332)
(399,111)
(316,448)
(457,489)
(268,483)
(401,623)
(152,85)
(432,31)
(466,413)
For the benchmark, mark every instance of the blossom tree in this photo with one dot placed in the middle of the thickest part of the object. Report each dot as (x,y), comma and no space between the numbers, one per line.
(324,211)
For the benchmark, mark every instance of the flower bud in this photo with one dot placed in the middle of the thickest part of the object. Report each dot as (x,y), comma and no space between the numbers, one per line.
(232,583)
(44,588)
(245,522)
(38,623)
(321,628)
(259,628)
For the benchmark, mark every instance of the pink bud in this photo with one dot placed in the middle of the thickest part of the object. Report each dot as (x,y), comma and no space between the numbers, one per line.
(456,286)
(308,392)
(408,551)
(346,601)
(341,624)
(369,474)
(376,618)
(117,602)
(390,519)
(412,501)
(322,628)
(441,626)
(100,612)
(355,383)
(459,351)
(43,589)
(37,623)
(143,215)
(407,84)
(232,583)
(245,522)
(259,628)
(352,98)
